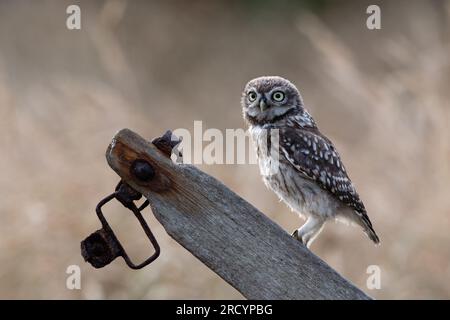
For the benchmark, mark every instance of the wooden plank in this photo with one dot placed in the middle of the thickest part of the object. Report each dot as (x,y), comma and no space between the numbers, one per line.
(226,233)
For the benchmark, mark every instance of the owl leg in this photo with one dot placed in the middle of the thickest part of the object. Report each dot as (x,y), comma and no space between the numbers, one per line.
(309,231)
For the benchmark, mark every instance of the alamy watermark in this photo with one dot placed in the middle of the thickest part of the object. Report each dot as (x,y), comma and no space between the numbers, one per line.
(73,281)
(73,21)
(374,279)
(373,21)
(231,146)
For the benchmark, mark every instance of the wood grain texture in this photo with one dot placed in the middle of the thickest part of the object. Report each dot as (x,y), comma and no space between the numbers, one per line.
(226,233)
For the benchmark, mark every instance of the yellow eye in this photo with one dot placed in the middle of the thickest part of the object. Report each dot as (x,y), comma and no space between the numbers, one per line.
(252,96)
(278,96)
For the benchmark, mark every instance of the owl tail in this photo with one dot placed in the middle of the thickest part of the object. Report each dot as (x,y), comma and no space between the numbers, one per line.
(372,235)
(368,229)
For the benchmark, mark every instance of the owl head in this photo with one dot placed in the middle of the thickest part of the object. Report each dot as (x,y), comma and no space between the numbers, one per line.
(269,99)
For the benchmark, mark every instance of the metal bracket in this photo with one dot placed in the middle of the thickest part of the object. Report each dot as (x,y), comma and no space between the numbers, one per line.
(102,246)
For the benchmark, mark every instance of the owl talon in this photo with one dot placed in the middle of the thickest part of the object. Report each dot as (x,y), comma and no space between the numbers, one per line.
(296,236)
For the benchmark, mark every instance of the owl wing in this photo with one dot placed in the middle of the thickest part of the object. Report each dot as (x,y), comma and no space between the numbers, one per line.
(315,157)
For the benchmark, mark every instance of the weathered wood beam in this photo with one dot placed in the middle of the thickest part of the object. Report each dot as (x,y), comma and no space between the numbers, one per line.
(225,232)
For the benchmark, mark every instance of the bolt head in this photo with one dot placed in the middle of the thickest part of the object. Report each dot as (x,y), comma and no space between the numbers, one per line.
(142,170)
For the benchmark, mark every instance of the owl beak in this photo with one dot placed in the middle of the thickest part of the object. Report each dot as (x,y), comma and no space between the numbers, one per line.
(263,104)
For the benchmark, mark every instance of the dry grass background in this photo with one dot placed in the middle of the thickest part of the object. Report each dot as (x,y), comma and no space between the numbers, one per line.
(383,96)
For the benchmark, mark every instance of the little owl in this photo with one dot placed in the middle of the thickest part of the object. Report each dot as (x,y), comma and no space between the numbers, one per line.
(309,176)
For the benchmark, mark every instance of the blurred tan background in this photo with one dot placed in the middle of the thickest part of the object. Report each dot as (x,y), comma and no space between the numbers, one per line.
(382,96)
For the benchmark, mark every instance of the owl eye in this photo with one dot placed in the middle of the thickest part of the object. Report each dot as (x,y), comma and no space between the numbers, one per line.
(252,96)
(278,96)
